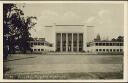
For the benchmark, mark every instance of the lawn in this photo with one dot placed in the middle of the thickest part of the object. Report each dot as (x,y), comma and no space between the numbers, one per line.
(37,66)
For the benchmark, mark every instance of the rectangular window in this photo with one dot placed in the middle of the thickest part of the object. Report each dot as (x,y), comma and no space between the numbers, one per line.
(97,50)
(121,50)
(38,43)
(117,50)
(110,44)
(104,50)
(35,43)
(42,43)
(110,50)
(31,43)
(118,44)
(103,44)
(42,49)
(113,50)
(96,44)
(107,50)
(100,49)
(38,49)
(114,44)
(121,44)
(58,39)
(34,49)
(100,44)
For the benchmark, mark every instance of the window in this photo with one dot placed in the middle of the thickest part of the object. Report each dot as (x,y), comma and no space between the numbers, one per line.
(121,50)
(104,50)
(100,49)
(31,43)
(35,43)
(38,43)
(110,44)
(117,50)
(110,50)
(34,49)
(114,44)
(58,49)
(97,50)
(100,44)
(113,50)
(38,49)
(121,44)
(103,44)
(107,50)
(96,44)
(42,43)
(42,49)
(118,44)
(107,44)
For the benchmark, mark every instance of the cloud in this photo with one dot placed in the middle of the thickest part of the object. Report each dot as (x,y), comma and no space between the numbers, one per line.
(90,19)
(69,18)
(102,13)
(98,18)
(70,15)
(48,17)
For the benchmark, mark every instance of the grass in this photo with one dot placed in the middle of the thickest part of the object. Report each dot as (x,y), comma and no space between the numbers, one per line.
(65,76)
(64,67)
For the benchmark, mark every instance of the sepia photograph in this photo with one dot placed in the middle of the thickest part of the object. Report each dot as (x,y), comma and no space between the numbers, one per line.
(63,41)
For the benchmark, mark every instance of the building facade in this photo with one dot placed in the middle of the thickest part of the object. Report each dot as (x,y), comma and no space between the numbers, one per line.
(39,45)
(69,42)
(106,47)
(67,38)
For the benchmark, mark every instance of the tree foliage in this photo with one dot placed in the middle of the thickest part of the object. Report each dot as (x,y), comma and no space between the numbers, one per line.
(16,28)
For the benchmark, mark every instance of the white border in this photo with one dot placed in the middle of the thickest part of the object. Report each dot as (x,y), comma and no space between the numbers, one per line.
(1,42)
(126,41)
(103,2)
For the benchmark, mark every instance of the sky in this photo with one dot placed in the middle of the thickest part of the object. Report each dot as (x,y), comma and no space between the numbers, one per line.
(107,19)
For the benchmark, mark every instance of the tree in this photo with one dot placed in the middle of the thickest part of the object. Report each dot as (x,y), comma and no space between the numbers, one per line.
(16,28)
(120,38)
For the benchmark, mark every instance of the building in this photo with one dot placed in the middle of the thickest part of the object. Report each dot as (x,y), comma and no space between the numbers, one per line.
(39,45)
(67,38)
(75,38)
(106,47)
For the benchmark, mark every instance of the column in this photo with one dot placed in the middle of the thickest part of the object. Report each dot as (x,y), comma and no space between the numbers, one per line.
(72,43)
(78,42)
(66,42)
(61,42)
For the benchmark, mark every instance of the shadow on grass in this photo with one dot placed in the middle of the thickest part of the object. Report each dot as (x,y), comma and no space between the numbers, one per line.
(17,59)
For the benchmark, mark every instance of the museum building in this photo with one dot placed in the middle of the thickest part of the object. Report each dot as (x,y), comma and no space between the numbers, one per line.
(68,38)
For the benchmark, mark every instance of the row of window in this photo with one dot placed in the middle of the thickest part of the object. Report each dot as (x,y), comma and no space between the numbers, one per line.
(109,44)
(39,43)
(38,49)
(109,50)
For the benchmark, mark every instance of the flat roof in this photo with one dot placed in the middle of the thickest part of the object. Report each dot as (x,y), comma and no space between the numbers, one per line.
(47,26)
(69,25)
(64,25)
(108,41)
